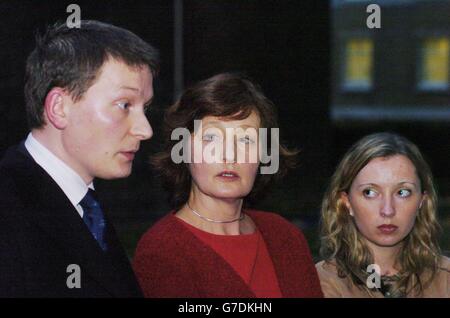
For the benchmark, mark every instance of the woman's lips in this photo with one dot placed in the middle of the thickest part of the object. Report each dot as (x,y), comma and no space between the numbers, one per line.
(387,228)
(228,176)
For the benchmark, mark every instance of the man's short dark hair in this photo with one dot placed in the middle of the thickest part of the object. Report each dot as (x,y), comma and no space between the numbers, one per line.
(71,58)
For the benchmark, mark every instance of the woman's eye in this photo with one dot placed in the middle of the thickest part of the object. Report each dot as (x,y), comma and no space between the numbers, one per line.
(123,105)
(369,193)
(404,193)
(209,137)
(247,140)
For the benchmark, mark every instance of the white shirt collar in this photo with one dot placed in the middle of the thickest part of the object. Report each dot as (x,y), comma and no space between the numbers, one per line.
(67,179)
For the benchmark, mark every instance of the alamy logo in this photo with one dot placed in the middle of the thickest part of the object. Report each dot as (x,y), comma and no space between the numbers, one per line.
(74,279)
(236,145)
(73,20)
(374,19)
(374,279)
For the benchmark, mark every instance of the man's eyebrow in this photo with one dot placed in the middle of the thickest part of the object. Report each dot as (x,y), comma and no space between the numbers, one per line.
(147,103)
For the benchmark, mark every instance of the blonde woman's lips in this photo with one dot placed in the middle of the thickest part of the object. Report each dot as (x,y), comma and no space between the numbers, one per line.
(387,228)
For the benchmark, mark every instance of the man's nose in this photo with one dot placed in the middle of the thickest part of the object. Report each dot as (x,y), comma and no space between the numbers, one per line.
(141,127)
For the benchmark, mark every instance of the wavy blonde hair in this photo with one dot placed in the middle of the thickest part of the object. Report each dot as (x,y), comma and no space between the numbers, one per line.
(341,239)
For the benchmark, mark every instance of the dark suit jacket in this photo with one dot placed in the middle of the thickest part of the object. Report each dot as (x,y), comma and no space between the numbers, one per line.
(41,234)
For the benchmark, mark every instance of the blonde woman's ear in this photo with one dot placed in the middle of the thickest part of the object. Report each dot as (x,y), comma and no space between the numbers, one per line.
(424,198)
(346,201)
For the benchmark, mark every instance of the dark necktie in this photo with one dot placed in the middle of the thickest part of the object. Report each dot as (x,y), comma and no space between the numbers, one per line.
(93,217)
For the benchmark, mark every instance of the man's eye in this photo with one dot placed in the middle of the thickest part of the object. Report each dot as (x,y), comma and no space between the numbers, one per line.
(369,193)
(123,105)
(404,193)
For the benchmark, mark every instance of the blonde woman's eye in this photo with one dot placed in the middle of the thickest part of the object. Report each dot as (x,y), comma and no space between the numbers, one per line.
(123,105)
(404,193)
(369,193)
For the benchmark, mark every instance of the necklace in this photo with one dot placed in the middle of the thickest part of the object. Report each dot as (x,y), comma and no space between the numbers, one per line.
(240,218)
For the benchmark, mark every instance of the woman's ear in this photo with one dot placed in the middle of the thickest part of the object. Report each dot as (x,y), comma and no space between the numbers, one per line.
(54,108)
(424,199)
(345,199)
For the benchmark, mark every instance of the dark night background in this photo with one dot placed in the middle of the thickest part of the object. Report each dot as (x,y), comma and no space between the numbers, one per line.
(290,48)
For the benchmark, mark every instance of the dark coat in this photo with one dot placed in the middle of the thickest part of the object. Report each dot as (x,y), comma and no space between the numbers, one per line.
(41,234)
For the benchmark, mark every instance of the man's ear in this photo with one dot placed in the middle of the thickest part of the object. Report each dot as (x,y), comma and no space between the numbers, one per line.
(345,200)
(54,107)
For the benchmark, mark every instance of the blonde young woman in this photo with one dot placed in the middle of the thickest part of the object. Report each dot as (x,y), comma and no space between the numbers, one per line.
(379,227)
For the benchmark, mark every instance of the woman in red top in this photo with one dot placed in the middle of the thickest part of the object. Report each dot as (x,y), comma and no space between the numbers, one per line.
(214,166)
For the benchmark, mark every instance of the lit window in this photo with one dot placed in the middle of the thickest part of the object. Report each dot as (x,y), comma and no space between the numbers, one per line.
(434,64)
(358,64)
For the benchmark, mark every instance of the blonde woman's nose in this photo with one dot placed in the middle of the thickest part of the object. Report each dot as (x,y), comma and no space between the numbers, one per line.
(387,208)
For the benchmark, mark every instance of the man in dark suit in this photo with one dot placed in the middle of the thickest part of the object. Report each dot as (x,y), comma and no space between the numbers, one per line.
(86,93)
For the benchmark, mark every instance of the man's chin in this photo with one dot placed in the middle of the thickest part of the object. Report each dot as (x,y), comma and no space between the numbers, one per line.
(116,174)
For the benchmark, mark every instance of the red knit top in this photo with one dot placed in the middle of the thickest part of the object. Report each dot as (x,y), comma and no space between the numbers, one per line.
(248,256)
(170,261)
